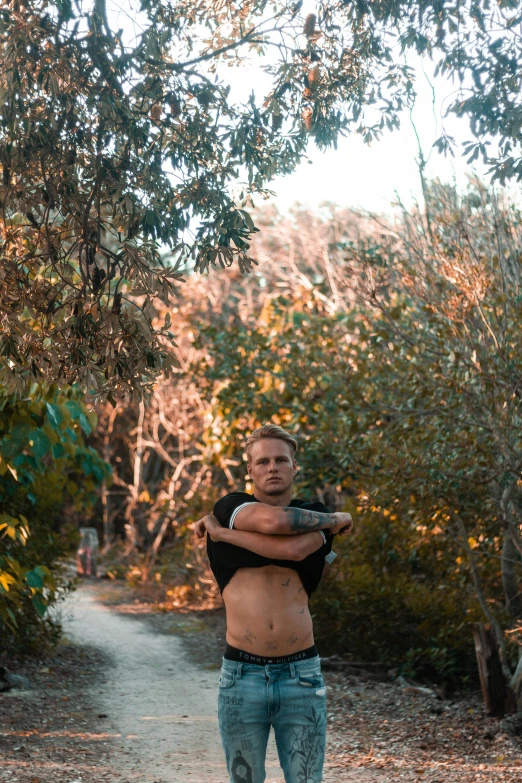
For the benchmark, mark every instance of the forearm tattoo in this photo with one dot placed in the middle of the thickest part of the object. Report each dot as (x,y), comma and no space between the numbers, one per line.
(301,520)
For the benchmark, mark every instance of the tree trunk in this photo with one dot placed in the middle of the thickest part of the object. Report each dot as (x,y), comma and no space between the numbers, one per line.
(499,699)
(516,682)
(131,531)
(497,632)
(107,527)
(510,581)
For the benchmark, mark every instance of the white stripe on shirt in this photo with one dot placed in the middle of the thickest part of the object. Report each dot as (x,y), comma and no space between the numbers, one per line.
(236,512)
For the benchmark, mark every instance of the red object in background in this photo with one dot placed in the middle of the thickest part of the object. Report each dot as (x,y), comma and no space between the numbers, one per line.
(87,553)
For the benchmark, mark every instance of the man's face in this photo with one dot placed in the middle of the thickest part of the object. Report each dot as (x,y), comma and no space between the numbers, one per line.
(271,466)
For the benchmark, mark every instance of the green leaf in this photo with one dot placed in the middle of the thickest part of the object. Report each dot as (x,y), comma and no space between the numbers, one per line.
(55,414)
(77,413)
(74,409)
(248,219)
(12,617)
(65,9)
(85,423)
(40,444)
(39,604)
(18,440)
(58,450)
(34,579)
(51,433)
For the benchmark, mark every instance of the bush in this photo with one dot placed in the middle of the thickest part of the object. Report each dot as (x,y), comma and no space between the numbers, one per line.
(393,596)
(48,475)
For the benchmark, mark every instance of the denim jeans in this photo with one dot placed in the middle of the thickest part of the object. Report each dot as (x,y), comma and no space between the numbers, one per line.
(291,697)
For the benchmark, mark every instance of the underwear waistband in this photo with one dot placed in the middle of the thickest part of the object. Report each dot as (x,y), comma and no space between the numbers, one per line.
(235,654)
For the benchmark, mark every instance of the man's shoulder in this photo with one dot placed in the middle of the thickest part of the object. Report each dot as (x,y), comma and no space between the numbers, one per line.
(226,505)
(239,497)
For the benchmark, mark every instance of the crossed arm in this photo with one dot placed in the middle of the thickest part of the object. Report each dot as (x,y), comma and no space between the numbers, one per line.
(277,520)
(280,533)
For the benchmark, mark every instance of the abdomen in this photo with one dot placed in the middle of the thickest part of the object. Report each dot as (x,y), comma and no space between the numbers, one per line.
(267,611)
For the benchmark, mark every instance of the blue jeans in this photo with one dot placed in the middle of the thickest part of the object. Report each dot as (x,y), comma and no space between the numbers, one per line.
(291,697)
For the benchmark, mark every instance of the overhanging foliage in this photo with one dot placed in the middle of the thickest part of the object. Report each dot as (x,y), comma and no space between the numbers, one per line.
(112,152)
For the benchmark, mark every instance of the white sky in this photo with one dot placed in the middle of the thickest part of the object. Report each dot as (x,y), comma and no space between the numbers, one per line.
(371,176)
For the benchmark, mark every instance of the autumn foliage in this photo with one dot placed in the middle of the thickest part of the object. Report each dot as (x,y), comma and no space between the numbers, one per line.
(391,351)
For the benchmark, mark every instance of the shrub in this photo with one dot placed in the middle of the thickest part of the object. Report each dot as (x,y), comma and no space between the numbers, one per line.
(394,596)
(47,475)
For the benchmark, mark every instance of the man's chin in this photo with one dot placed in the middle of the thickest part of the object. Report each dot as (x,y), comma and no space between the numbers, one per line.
(274,491)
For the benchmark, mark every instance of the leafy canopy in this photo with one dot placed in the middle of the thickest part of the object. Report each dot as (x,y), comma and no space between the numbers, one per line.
(123,160)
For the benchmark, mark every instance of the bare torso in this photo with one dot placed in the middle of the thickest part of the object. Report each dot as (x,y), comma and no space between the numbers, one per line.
(267,611)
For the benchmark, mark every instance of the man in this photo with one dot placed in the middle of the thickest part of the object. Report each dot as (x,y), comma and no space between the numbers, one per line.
(267,553)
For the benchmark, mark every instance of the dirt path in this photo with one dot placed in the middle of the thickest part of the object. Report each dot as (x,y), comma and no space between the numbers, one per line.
(161,706)
(131,695)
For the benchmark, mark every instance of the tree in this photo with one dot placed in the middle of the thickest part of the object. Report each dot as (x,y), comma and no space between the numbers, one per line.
(440,417)
(408,396)
(162,472)
(333,337)
(169,465)
(122,162)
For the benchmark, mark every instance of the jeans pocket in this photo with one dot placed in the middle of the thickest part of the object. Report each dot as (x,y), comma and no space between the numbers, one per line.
(309,670)
(226,679)
(310,679)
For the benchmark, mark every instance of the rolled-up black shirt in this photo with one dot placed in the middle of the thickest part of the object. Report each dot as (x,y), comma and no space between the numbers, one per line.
(225,558)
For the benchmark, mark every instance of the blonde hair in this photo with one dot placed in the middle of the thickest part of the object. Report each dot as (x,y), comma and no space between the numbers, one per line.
(270,431)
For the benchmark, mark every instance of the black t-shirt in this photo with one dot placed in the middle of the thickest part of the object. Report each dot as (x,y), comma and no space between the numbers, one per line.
(225,558)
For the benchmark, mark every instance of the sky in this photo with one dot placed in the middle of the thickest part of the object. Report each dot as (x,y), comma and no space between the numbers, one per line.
(357,175)
(370,177)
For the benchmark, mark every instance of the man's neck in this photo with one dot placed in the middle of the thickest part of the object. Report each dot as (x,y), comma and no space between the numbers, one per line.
(274,500)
